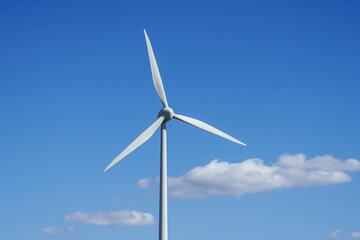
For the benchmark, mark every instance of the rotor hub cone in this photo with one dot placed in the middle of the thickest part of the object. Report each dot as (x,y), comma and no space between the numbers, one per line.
(167,113)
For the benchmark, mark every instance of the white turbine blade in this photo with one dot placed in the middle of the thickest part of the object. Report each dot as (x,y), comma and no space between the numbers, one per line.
(206,127)
(155,73)
(137,142)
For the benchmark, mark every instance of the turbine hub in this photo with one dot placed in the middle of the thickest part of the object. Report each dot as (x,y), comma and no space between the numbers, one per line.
(167,112)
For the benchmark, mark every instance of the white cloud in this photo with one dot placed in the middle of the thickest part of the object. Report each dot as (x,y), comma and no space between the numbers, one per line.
(252,175)
(128,218)
(355,234)
(51,230)
(144,183)
(55,230)
(335,234)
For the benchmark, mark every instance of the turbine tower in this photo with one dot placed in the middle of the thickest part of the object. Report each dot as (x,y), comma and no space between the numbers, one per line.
(165,115)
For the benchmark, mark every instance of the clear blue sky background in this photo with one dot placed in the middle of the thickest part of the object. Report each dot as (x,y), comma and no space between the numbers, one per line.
(76,89)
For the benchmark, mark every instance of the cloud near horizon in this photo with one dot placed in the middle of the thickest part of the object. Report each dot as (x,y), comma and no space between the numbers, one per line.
(252,175)
(335,234)
(355,234)
(119,218)
(144,183)
(55,230)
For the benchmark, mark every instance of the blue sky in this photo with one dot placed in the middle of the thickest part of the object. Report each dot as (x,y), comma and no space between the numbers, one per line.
(76,89)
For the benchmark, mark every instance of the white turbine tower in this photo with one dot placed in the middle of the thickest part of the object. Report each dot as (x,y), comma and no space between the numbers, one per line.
(165,115)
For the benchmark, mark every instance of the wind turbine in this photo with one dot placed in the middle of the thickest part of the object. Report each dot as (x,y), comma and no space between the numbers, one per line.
(165,115)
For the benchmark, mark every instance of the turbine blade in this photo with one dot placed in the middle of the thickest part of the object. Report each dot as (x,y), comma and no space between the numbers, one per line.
(206,127)
(137,142)
(155,73)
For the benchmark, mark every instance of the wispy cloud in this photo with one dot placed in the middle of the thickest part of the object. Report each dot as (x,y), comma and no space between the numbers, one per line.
(144,183)
(55,230)
(128,218)
(335,234)
(252,175)
(355,234)
(114,201)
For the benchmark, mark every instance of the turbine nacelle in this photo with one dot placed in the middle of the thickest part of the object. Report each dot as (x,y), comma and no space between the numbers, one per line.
(167,113)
